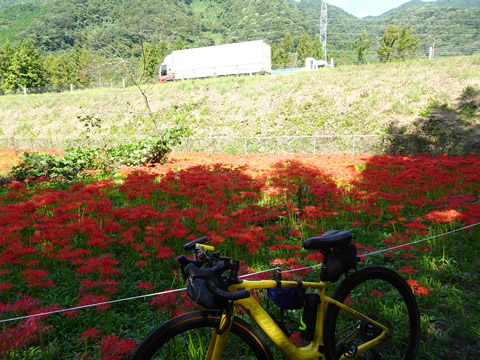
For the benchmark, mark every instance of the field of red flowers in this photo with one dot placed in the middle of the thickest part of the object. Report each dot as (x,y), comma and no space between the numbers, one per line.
(64,245)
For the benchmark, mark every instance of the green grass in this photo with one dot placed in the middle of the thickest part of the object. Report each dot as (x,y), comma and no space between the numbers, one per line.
(346,100)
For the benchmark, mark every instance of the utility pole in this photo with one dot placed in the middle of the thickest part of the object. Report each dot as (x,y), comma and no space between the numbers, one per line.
(323,28)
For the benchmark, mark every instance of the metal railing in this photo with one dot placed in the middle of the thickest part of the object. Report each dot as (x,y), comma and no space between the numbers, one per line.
(453,143)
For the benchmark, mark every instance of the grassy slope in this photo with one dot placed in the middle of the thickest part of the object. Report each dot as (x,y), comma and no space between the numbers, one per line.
(346,100)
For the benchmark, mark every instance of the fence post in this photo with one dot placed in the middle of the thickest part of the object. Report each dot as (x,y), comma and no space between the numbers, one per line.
(123,83)
(314,144)
(245,145)
(25,91)
(353,145)
(71,87)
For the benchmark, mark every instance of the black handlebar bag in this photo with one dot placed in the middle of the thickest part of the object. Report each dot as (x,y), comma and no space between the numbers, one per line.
(198,291)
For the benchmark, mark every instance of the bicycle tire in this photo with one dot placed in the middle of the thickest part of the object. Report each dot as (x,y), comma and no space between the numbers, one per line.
(187,337)
(383,295)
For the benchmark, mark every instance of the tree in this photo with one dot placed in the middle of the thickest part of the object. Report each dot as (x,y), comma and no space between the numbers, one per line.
(59,70)
(152,56)
(304,48)
(81,63)
(26,68)
(387,43)
(275,54)
(6,55)
(397,43)
(361,44)
(317,51)
(408,43)
(179,44)
(284,49)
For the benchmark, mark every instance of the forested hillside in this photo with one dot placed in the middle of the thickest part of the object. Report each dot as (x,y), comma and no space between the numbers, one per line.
(80,41)
(56,25)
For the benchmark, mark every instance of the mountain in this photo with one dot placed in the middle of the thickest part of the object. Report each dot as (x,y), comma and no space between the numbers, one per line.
(454,25)
(56,25)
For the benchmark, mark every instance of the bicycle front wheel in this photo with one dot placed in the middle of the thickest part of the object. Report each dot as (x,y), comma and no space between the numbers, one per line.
(385,297)
(187,337)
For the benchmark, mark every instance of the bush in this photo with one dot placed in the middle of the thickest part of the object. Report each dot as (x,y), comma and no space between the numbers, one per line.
(154,149)
(37,164)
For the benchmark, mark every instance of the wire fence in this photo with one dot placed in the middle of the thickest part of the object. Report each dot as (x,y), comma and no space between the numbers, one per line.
(452,143)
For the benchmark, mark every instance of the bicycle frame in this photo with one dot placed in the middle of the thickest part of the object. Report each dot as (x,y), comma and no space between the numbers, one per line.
(314,350)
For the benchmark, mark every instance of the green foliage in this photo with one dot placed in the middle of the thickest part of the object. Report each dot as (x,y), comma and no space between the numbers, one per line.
(82,61)
(6,55)
(152,57)
(78,160)
(179,44)
(317,51)
(59,26)
(153,149)
(25,68)
(59,70)
(36,164)
(361,44)
(470,91)
(281,53)
(397,43)
(90,124)
(304,48)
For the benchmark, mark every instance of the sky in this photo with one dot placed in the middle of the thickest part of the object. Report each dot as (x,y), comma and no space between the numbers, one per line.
(362,8)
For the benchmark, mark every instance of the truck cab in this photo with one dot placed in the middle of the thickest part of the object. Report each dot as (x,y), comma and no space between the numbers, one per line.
(166,72)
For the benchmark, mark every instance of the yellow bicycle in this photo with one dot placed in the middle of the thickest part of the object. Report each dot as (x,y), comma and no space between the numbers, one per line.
(372,314)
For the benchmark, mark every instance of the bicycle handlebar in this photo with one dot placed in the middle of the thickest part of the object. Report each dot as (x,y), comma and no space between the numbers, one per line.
(209,275)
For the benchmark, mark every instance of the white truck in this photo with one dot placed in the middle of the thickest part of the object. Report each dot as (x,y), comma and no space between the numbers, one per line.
(250,57)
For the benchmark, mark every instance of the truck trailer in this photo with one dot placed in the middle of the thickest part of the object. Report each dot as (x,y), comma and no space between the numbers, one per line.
(245,58)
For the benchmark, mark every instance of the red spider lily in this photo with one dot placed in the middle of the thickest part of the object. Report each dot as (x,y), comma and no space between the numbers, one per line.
(112,345)
(108,286)
(145,285)
(25,303)
(164,252)
(91,333)
(4,286)
(389,240)
(408,270)
(284,246)
(295,233)
(376,293)
(446,216)
(417,288)
(348,301)
(356,223)
(18,336)
(34,274)
(105,264)
(315,256)
(164,301)
(234,200)
(90,299)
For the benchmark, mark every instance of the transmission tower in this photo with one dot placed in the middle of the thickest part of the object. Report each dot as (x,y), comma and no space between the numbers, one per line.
(323,29)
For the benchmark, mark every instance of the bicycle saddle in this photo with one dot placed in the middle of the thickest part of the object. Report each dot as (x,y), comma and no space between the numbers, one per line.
(330,240)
